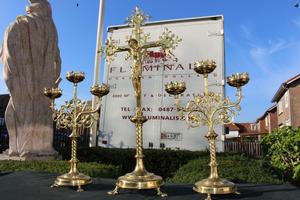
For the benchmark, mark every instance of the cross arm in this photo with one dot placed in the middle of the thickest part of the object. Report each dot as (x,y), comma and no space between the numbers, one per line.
(148,45)
(111,49)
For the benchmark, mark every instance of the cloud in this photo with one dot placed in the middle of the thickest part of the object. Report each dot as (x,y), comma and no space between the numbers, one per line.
(269,59)
(258,55)
(277,45)
(3,88)
(246,32)
(262,55)
(296,22)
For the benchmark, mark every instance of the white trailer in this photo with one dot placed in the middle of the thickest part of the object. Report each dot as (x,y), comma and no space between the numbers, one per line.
(202,38)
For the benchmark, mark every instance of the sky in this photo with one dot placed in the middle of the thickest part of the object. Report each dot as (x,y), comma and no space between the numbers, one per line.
(262,37)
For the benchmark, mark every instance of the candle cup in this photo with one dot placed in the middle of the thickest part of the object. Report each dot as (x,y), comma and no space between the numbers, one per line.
(75,77)
(175,88)
(100,90)
(238,80)
(204,66)
(52,93)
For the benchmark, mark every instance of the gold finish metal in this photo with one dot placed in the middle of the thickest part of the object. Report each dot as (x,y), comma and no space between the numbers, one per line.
(210,109)
(175,88)
(100,91)
(52,93)
(238,80)
(205,67)
(137,50)
(73,115)
(75,77)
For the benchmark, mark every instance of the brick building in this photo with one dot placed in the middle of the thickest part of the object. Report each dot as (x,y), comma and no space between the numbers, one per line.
(287,99)
(268,122)
(241,132)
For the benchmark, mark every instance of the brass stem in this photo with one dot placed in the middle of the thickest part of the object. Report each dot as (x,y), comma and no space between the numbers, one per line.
(52,106)
(74,159)
(139,167)
(137,85)
(205,77)
(211,136)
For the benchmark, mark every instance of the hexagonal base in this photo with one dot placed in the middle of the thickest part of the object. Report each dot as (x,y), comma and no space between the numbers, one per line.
(215,186)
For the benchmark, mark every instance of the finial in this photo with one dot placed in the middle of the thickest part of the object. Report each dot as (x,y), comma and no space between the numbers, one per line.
(137,17)
(137,10)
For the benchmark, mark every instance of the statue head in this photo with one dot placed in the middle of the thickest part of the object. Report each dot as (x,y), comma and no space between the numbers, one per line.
(40,8)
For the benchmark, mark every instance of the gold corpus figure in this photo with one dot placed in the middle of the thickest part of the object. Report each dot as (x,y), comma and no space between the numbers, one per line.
(137,49)
(210,109)
(74,115)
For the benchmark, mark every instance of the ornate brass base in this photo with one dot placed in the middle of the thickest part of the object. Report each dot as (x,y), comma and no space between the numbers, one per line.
(214,186)
(134,180)
(71,179)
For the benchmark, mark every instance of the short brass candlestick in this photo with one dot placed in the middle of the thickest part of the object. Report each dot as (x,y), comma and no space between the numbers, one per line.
(73,115)
(210,109)
(137,50)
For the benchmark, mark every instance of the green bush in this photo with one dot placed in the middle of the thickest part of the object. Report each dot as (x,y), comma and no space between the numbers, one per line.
(160,162)
(282,149)
(92,169)
(236,168)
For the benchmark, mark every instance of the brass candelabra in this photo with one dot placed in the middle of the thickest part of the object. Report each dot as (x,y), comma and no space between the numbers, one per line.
(137,48)
(73,115)
(210,109)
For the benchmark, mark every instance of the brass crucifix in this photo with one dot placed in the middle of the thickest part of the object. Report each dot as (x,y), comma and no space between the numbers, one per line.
(137,50)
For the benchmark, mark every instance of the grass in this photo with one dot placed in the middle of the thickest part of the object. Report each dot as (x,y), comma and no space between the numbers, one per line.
(92,169)
(237,168)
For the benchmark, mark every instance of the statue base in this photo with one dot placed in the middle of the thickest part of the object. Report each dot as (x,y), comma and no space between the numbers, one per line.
(30,156)
(214,186)
(72,179)
(138,181)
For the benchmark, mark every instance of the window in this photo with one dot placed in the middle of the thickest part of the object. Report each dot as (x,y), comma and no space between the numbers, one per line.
(267,120)
(286,99)
(280,109)
(253,127)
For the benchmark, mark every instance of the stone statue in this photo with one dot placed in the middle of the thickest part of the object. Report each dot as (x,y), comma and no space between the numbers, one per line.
(31,62)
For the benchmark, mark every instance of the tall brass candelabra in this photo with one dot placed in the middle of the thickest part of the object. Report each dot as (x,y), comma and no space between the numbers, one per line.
(73,115)
(137,50)
(210,109)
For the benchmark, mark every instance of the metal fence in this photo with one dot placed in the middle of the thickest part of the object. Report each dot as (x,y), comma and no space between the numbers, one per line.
(248,148)
(61,140)
(62,143)
(3,138)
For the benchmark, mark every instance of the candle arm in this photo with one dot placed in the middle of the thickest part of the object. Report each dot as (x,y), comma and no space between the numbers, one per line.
(231,105)
(90,112)
(178,104)
(153,45)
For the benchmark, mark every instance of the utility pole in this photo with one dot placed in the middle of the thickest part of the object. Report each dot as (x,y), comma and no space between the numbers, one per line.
(97,74)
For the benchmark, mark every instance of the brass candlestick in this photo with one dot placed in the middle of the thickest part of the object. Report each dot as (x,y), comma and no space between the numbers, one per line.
(210,109)
(73,115)
(137,50)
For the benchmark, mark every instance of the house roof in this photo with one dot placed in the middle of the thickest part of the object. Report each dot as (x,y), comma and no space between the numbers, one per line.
(232,127)
(273,107)
(284,87)
(246,130)
(243,128)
